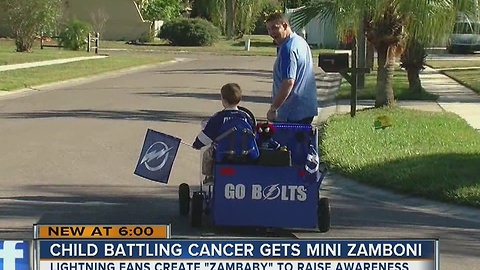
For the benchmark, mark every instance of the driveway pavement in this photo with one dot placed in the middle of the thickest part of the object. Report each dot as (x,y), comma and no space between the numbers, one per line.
(68,156)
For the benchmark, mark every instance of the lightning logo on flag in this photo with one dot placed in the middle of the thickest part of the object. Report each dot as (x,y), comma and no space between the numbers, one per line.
(154,154)
(158,154)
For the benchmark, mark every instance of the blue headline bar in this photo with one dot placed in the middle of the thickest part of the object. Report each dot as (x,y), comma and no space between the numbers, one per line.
(217,249)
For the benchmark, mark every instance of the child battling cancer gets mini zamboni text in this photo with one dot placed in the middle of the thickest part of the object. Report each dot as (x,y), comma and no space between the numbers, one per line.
(231,95)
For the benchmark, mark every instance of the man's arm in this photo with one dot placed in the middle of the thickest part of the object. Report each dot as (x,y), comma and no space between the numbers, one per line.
(285,89)
(288,69)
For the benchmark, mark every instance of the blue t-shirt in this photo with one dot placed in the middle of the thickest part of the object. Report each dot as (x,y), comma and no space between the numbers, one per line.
(294,61)
(214,125)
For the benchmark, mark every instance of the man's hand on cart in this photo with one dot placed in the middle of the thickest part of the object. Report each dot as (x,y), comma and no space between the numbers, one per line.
(272,114)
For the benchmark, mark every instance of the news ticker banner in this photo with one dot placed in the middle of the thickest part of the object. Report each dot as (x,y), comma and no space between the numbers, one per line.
(123,248)
(149,247)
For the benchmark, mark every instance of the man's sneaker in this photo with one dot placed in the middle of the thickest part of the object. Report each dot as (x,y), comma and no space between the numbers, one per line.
(208,179)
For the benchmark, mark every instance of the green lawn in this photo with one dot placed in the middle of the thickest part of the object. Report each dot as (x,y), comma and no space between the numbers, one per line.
(260,45)
(434,155)
(400,88)
(9,56)
(21,78)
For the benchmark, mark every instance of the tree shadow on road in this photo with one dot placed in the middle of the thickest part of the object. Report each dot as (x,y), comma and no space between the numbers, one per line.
(207,96)
(100,204)
(105,205)
(221,71)
(141,115)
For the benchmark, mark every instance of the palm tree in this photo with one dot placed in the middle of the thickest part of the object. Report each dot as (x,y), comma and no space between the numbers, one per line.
(386,23)
(433,27)
(413,61)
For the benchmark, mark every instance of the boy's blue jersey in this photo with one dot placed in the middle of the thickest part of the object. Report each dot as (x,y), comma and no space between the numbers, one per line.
(214,125)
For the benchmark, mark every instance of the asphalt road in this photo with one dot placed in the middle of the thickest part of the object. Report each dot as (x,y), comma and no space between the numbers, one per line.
(68,155)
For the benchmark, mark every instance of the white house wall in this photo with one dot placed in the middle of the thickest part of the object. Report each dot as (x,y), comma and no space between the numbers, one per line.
(320,33)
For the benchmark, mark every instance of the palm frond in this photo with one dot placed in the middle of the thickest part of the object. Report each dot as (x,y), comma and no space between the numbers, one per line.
(322,9)
(432,21)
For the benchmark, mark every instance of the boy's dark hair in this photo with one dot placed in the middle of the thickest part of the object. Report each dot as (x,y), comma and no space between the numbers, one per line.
(232,93)
(277,17)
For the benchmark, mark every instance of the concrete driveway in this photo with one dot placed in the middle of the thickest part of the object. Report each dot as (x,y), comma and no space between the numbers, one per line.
(68,156)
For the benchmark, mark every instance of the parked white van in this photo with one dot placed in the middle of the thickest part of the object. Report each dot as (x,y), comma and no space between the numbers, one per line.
(465,37)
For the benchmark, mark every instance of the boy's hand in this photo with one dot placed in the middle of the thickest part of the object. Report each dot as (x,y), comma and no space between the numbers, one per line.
(272,114)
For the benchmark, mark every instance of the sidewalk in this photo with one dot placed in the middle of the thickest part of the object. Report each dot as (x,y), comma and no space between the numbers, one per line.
(453,97)
(48,62)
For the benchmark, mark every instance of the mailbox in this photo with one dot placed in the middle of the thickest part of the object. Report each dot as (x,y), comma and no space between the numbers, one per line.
(333,62)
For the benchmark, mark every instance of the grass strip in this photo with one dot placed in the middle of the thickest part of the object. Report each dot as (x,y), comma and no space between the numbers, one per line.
(434,155)
(23,78)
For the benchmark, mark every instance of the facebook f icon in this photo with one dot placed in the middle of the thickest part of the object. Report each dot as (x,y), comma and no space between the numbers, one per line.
(14,255)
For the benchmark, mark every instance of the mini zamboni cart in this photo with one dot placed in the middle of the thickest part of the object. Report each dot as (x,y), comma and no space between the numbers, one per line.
(279,189)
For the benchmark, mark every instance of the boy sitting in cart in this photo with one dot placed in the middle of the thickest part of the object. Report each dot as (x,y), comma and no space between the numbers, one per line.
(220,125)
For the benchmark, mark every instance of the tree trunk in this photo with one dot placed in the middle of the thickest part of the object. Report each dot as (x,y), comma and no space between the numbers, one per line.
(414,83)
(413,60)
(230,12)
(370,58)
(384,96)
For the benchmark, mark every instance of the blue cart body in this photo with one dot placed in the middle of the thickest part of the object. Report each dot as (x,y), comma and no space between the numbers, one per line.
(270,196)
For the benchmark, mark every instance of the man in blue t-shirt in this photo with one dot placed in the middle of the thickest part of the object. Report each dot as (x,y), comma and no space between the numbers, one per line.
(294,86)
(231,94)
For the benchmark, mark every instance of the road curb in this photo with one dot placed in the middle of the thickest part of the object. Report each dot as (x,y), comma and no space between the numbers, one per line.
(81,80)
(354,188)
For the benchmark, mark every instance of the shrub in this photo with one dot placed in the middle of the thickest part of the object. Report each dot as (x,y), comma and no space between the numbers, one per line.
(147,36)
(189,32)
(26,18)
(75,35)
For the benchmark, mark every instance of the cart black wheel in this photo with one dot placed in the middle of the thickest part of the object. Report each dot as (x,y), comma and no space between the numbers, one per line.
(250,113)
(184,198)
(197,210)
(323,213)
(322,167)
